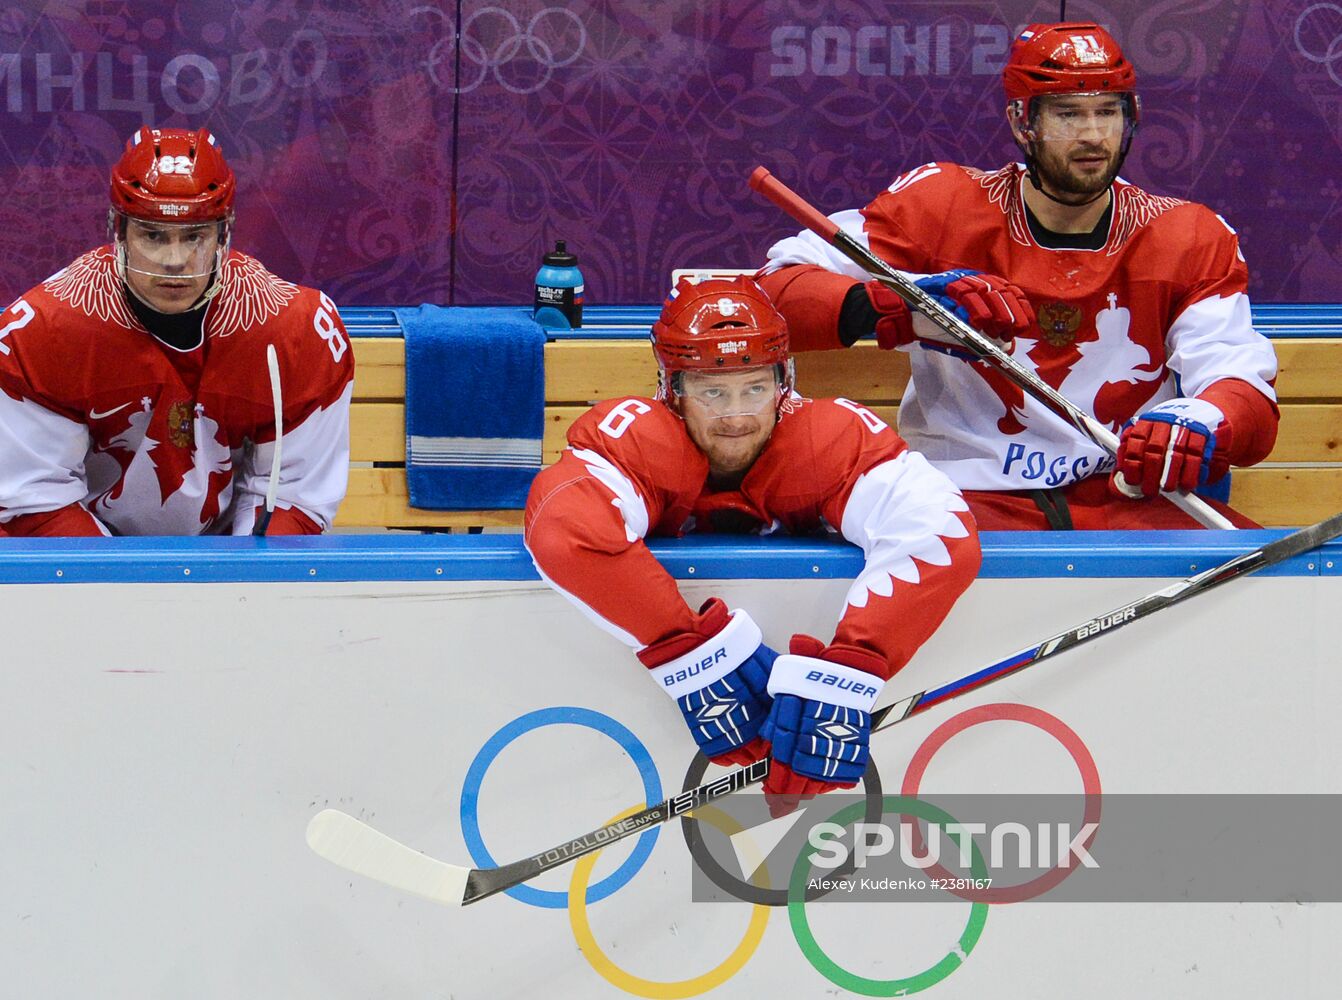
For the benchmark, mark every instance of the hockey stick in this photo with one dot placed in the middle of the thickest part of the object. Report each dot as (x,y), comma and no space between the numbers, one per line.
(273,366)
(353,845)
(976,343)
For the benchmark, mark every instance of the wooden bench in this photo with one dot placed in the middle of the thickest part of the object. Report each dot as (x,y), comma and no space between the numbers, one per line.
(1301,483)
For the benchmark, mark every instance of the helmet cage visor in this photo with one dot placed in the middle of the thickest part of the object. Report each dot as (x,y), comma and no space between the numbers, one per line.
(170,251)
(1075,117)
(744,392)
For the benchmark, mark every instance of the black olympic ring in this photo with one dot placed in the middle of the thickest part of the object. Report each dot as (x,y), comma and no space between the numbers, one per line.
(764,895)
(442,56)
(1332,53)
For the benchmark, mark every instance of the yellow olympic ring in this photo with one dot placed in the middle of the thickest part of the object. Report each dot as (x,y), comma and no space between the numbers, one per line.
(657,990)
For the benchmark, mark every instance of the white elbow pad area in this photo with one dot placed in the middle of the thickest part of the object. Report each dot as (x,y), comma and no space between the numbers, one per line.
(1214,339)
(900,511)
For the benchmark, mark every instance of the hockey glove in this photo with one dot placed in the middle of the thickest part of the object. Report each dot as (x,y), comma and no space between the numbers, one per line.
(719,677)
(991,305)
(1172,447)
(820,722)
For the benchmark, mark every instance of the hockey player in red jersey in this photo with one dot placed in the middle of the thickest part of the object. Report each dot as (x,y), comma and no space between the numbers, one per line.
(1132,305)
(135,394)
(728,446)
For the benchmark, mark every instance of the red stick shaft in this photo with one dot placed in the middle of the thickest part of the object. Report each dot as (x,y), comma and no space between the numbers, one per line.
(792,203)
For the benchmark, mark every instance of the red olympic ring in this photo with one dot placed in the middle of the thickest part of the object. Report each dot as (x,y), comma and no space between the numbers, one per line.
(1055,727)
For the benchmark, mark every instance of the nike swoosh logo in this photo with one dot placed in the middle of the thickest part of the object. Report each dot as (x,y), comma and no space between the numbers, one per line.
(95,415)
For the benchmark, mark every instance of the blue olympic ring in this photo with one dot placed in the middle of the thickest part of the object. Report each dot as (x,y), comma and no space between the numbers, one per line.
(570,716)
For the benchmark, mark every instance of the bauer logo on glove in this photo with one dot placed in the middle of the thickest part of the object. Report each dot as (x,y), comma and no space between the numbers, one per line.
(858,688)
(718,676)
(672,679)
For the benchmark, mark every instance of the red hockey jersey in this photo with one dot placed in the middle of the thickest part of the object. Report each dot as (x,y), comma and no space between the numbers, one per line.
(1160,310)
(97,415)
(631,470)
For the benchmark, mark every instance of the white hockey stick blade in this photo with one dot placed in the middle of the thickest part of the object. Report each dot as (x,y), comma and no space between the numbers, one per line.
(276,461)
(357,847)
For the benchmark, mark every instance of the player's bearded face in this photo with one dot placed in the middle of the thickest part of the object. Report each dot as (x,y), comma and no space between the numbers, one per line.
(730,415)
(169,266)
(1077,142)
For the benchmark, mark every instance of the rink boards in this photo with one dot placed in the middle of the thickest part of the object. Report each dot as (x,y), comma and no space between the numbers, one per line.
(176,713)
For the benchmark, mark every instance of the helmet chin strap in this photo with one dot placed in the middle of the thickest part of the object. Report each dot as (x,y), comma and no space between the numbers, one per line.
(211,290)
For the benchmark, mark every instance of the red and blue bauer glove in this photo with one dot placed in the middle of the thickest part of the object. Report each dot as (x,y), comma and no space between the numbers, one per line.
(991,305)
(1173,447)
(719,678)
(820,723)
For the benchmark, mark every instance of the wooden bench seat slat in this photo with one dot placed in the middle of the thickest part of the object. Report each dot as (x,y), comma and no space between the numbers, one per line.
(1309,368)
(379,368)
(1278,498)
(378,497)
(1310,432)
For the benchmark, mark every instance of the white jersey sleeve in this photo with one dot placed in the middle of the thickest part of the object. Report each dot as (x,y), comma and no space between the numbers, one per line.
(41,459)
(808,248)
(1214,339)
(898,512)
(314,468)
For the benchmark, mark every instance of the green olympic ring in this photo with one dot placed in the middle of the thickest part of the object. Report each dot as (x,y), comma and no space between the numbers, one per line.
(839,976)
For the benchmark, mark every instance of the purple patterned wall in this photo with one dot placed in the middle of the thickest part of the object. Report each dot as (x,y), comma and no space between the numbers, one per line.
(361,130)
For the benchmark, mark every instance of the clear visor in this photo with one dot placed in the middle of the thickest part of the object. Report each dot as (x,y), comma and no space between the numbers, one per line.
(167,251)
(1100,117)
(740,393)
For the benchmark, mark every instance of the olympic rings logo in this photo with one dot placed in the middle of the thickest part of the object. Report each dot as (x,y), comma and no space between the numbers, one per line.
(761,899)
(1333,51)
(492,38)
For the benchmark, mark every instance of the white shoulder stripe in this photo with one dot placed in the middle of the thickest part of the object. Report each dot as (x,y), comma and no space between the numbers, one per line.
(913,176)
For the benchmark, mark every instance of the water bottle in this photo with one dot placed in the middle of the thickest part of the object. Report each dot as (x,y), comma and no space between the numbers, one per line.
(559,289)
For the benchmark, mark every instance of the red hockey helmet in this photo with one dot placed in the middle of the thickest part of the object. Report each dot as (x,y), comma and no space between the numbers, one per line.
(720,324)
(1055,60)
(173,175)
(1073,58)
(175,181)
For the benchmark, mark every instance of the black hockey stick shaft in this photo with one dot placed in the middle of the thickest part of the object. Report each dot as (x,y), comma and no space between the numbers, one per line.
(484,882)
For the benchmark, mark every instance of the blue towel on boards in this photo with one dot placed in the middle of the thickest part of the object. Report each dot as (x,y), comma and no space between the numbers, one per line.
(474,405)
